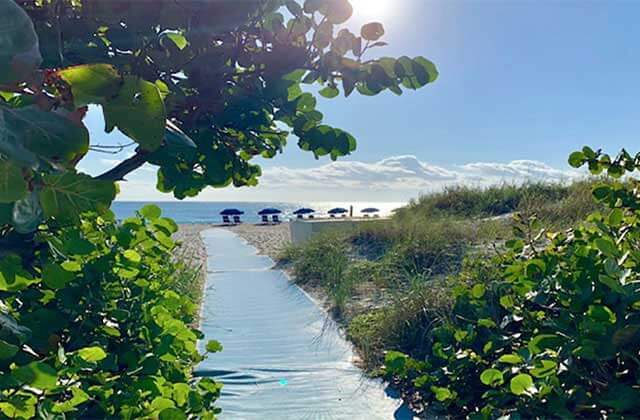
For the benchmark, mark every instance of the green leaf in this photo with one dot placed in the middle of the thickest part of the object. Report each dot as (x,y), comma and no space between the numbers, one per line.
(177,38)
(132,256)
(329,92)
(615,217)
(29,131)
(478,290)
(521,384)
(512,359)
(78,397)
(577,159)
(13,186)
(601,192)
(151,211)
(66,195)
(56,277)
(429,67)
(138,111)
(7,351)
(442,394)
(92,354)
(544,341)
(37,375)
(506,301)
(607,247)
(213,346)
(92,83)
(372,31)
(492,377)
(172,413)
(13,277)
(19,49)
(601,313)
(544,368)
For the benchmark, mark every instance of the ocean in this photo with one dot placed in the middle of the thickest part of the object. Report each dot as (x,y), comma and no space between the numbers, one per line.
(209,212)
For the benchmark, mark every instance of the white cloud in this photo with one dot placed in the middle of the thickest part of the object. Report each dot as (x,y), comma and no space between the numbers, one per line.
(396,178)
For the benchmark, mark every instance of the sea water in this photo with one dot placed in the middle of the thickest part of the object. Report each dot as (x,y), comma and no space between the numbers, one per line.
(209,212)
(283,357)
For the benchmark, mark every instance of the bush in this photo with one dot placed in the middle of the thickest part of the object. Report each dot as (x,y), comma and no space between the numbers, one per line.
(556,334)
(97,327)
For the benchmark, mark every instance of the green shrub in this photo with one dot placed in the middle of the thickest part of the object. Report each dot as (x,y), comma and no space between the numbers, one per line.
(555,334)
(97,325)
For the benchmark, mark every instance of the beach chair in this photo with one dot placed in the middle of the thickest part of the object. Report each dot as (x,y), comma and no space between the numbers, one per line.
(275,219)
(225,220)
(265,219)
(236,220)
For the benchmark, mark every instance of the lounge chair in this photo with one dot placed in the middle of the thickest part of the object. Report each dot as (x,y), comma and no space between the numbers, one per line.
(275,219)
(236,220)
(265,219)
(225,220)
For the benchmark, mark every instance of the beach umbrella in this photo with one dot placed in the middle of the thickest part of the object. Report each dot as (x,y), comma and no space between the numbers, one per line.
(269,210)
(304,210)
(338,210)
(231,212)
(370,210)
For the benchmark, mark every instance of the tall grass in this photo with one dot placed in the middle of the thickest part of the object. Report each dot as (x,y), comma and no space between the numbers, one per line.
(417,259)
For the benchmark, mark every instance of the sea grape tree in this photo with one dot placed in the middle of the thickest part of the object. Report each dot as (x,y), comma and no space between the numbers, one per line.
(90,321)
(200,88)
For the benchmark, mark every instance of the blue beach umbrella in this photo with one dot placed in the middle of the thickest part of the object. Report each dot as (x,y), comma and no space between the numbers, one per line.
(304,210)
(231,212)
(269,210)
(338,210)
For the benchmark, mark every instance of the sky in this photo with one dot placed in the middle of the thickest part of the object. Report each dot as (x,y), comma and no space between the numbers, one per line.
(522,84)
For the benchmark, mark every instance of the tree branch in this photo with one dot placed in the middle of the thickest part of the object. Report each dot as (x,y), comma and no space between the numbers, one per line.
(125,167)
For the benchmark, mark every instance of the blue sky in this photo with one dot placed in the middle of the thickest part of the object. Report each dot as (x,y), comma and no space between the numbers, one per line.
(519,80)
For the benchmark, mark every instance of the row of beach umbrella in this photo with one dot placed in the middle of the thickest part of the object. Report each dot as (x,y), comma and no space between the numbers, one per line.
(270,211)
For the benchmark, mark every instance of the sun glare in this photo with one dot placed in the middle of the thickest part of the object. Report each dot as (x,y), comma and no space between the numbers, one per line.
(372,9)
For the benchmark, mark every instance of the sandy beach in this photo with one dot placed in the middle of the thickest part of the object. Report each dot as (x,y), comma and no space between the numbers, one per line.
(269,240)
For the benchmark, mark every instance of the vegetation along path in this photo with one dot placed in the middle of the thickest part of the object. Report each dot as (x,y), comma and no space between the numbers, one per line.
(282,355)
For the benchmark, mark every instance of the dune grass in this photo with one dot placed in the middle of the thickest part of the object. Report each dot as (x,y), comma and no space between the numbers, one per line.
(392,280)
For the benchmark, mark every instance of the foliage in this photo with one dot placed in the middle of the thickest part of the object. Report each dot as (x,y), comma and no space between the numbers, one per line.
(555,334)
(95,317)
(464,201)
(95,327)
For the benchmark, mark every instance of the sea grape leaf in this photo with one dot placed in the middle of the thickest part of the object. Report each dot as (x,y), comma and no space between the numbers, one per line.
(66,195)
(521,384)
(492,377)
(7,350)
(56,277)
(92,354)
(12,276)
(36,374)
(27,133)
(372,31)
(13,186)
(138,111)
(19,49)
(92,83)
